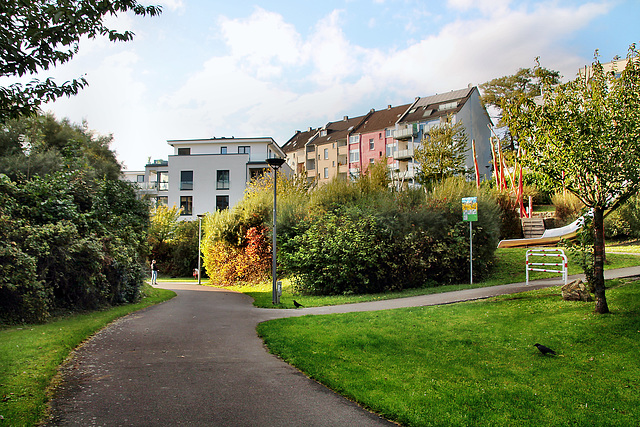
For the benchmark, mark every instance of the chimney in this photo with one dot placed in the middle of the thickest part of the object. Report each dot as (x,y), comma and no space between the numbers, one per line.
(389,107)
(346,118)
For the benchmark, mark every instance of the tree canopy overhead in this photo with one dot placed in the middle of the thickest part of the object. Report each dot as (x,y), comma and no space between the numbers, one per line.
(36,35)
(585,135)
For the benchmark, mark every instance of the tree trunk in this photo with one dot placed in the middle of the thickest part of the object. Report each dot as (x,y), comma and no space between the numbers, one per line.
(598,261)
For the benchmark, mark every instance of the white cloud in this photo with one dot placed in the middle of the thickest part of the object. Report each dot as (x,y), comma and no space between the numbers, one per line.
(263,42)
(271,80)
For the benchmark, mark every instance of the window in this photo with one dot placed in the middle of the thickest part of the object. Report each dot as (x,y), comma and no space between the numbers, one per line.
(186,180)
(371,144)
(354,156)
(244,149)
(139,178)
(163,181)
(323,132)
(222,180)
(447,106)
(392,148)
(354,139)
(186,203)
(222,203)
(372,160)
(162,200)
(223,150)
(326,154)
(389,133)
(184,151)
(326,173)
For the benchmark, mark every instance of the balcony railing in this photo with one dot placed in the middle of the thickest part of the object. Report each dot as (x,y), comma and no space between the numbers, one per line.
(403,154)
(406,133)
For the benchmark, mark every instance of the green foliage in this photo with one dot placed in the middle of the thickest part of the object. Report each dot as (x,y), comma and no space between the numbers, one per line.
(442,153)
(386,241)
(73,238)
(40,34)
(624,222)
(40,145)
(586,135)
(525,83)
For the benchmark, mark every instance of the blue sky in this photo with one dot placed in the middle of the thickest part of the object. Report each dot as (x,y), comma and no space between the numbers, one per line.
(240,68)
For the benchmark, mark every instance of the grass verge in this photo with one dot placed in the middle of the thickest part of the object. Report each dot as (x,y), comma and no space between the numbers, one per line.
(474,364)
(509,268)
(30,356)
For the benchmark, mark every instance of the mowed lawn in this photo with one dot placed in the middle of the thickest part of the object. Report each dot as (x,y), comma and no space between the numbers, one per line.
(474,363)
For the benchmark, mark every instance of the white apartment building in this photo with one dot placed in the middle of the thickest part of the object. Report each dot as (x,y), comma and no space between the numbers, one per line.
(205,175)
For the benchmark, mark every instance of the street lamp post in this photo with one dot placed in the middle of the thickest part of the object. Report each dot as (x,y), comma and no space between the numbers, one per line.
(275,163)
(199,243)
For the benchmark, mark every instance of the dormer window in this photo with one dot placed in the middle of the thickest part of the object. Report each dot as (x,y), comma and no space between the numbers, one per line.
(447,106)
(323,132)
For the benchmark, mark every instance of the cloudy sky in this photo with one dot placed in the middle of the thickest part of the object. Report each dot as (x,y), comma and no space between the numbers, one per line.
(208,68)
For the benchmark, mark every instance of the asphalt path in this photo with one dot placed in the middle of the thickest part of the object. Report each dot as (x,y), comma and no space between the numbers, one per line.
(197,360)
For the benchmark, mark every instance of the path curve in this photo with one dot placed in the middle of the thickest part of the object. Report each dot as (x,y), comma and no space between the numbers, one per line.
(197,360)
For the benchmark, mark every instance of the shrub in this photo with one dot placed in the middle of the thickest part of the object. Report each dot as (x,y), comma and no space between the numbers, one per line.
(568,207)
(404,240)
(624,222)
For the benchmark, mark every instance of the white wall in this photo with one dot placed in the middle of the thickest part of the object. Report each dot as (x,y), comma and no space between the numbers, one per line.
(205,167)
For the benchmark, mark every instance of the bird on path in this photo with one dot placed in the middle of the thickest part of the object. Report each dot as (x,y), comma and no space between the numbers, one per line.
(297,304)
(545,350)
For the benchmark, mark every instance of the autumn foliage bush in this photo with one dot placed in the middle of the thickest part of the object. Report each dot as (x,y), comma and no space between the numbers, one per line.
(352,238)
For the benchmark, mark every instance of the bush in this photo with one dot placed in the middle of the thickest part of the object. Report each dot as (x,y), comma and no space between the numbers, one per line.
(68,243)
(568,207)
(624,222)
(403,240)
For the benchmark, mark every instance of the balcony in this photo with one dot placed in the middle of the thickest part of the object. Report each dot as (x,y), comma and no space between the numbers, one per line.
(343,168)
(406,133)
(403,154)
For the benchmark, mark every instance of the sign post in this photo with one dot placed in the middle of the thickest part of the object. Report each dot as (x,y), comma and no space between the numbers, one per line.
(470,213)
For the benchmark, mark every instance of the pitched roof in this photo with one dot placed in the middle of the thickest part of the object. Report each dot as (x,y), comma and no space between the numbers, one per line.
(380,120)
(435,106)
(339,130)
(299,140)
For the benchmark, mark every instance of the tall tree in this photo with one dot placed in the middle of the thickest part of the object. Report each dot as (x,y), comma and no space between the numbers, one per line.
(39,34)
(442,152)
(586,134)
(526,82)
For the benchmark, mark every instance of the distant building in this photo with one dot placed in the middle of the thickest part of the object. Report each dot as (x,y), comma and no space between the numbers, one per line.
(347,147)
(205,175)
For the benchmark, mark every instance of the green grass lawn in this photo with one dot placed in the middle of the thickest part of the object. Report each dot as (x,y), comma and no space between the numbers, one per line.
(474,364)
(509,269)
(30,356)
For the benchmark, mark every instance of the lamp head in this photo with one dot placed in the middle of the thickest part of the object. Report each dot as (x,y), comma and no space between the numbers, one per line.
(275,162)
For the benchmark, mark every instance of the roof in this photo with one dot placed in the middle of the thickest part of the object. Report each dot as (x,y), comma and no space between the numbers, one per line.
(383,119)
(299,140)
(435,106)
(339,130)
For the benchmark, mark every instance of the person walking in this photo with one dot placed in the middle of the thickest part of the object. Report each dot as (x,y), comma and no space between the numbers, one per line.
(154,272)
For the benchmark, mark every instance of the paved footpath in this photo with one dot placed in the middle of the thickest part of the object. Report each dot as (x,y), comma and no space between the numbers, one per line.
(196,360)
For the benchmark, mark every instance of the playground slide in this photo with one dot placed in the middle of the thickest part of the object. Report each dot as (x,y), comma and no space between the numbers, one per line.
(550,236)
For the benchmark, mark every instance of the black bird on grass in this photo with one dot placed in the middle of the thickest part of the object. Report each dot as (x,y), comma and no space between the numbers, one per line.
(545,350)
(297,304)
